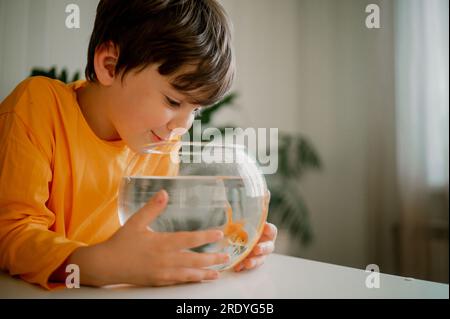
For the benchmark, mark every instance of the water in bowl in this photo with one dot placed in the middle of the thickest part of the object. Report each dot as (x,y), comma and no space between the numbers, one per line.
(199,203)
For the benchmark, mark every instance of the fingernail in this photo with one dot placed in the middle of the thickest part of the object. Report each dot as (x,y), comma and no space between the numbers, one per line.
(219,234)
(159,197)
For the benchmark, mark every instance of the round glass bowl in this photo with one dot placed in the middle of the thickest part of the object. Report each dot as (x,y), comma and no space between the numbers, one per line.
(210,186)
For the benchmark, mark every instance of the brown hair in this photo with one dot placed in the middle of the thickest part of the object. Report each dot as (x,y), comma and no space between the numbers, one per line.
(174,33)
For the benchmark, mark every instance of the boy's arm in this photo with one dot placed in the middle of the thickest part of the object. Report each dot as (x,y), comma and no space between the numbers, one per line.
(89,259)
(27,245)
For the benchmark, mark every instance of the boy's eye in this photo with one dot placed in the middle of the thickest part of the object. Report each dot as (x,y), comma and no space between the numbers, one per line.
(172,102)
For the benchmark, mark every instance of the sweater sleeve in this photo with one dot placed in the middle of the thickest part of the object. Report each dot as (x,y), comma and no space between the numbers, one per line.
(28,246)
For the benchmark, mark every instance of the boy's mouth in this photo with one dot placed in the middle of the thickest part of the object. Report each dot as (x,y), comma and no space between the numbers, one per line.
(156,137)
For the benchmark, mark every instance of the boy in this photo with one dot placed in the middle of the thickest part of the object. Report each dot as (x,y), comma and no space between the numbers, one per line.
(151,65)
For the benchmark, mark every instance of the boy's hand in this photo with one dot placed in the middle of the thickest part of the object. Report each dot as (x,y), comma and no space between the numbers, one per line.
(137,255)
(264,247)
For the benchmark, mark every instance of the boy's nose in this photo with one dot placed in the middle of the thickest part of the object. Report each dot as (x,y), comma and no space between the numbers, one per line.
(180,124)
(178,131)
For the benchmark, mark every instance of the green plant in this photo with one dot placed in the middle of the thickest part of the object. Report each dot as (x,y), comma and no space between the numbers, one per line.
(296,155)
(53,75)
(288,209)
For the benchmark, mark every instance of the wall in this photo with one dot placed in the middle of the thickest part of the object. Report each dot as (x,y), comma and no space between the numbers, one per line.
(33,34)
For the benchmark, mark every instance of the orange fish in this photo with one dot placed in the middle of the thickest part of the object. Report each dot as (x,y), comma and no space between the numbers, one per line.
(234,231)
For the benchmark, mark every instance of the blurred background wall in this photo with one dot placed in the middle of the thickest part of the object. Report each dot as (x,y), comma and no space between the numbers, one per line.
(313,67)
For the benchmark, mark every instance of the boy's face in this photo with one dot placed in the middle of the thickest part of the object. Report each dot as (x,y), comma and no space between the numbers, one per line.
(145,108)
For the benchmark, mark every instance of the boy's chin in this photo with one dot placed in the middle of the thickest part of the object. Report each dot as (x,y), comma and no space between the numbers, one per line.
(138,147)
(134,146)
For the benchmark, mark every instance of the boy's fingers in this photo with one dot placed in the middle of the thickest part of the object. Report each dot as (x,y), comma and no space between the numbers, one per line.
(182,275)
(238,267)
(270,230)
(254,262)
(264,248)
(200,260)
(250,262)
(150,210)
(187,240)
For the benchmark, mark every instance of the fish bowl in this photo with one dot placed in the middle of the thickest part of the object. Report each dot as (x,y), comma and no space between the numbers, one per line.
(210,186)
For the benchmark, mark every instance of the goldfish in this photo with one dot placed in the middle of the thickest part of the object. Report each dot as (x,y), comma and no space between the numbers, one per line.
(234,231)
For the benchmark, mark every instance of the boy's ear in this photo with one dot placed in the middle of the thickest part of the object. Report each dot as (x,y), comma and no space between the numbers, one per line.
(105,60)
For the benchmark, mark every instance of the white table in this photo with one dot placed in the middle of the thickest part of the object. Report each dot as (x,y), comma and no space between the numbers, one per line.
(280,277)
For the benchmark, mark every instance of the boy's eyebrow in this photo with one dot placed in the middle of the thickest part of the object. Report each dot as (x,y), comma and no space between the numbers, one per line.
(182,97)
(196,105)
(171,92)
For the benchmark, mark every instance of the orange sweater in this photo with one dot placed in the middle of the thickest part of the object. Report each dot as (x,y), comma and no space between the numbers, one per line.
(58,180)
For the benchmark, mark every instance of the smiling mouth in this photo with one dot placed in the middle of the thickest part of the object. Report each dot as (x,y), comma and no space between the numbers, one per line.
(158,139)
